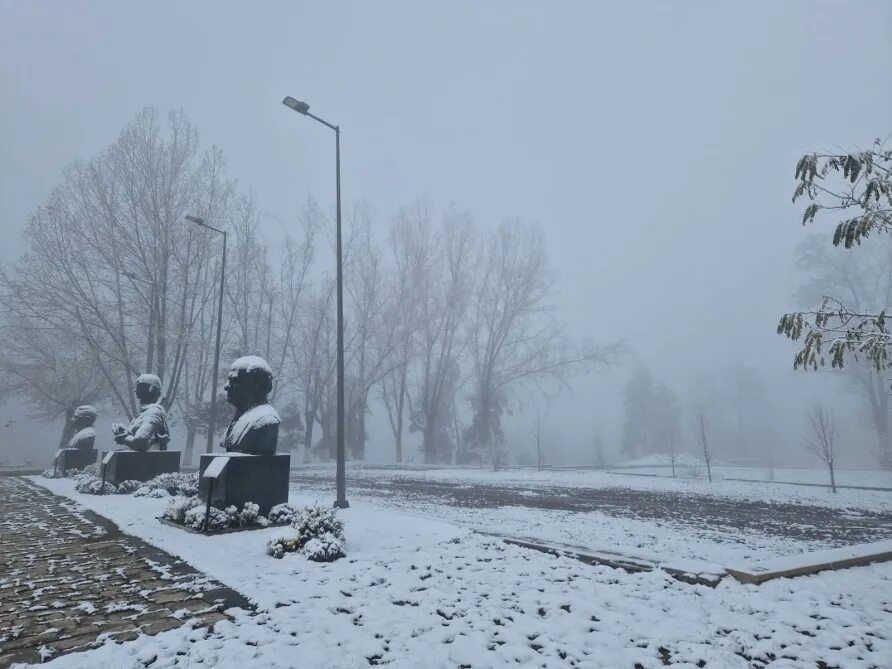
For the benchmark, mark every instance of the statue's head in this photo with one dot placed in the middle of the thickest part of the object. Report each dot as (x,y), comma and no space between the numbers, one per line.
(249,381)
(148,388)
(83,416)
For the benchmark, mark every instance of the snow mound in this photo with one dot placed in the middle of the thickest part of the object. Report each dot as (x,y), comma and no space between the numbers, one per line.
(661,460)
(249,363)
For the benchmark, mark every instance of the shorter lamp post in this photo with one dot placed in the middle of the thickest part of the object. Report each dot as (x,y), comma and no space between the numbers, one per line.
(212,421)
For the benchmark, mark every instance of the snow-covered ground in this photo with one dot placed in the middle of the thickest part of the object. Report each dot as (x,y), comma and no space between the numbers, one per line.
(688,466)
(764,491)
(415,591)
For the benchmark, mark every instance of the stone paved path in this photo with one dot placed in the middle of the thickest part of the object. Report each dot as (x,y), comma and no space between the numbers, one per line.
(70,580)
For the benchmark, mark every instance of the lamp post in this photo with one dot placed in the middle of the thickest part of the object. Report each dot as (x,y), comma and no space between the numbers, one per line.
(212,421)
(340,477)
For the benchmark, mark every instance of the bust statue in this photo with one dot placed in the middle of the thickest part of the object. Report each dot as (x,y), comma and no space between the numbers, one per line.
(255,427)
(149,427)
(84,433)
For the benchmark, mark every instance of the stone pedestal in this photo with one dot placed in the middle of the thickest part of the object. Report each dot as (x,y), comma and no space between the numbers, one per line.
(139,466)
(262,479)
(75,458)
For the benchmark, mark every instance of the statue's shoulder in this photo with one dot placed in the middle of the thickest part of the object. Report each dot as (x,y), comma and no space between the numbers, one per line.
(156,410)
(261,416)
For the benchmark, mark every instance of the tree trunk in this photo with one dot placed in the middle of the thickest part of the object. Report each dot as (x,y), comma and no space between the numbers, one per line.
(190,445)
(708,471)
(67,428)
(308,437)
(832,477)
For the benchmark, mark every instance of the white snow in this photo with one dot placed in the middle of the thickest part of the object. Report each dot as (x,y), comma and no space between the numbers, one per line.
(421,593)
(150,380)
(249,363)
(530,479)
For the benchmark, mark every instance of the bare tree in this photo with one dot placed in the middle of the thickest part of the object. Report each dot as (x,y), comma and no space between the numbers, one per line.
(673,452)
(112,264)
(821,438)
(600,458)
(47,368)
(514,340)
(539,452)
(442,276)
(405,290)
(313,356)
(703,440)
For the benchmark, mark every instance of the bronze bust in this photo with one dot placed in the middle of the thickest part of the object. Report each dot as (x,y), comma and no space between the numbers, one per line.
(255,427)
(85,434)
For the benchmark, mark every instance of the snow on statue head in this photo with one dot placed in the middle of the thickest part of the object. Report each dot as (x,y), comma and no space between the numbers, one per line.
(255,427)
(148,388)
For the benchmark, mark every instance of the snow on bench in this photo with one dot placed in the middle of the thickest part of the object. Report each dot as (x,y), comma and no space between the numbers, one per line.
(813,562)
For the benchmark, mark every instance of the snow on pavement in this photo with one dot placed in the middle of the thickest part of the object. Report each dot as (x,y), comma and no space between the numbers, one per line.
(415,592)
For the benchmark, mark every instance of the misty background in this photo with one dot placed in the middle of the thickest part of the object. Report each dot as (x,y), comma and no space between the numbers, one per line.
(654,144)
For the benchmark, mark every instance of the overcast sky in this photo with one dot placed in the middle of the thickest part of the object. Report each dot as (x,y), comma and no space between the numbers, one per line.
(653,141)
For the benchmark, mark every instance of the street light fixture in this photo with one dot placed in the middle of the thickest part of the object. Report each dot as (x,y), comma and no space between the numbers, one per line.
(212,420)
(340,477)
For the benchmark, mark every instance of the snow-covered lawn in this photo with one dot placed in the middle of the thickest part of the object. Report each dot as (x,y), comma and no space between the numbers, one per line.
(775,492)
(419,592)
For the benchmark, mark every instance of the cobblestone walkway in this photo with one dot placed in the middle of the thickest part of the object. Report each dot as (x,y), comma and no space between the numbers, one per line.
(70,580)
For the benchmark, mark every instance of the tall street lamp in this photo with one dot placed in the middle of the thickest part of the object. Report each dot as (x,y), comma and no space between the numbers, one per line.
(212,420)
(304,108)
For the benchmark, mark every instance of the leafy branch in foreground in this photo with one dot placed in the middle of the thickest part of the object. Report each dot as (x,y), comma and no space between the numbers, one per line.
(859,183)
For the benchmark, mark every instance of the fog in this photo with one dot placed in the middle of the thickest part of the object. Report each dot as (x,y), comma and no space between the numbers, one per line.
(654,143)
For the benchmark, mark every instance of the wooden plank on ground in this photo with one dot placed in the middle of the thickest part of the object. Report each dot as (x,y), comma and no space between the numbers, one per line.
(813,562)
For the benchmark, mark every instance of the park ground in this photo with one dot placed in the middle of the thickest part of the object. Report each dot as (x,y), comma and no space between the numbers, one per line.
(428,580)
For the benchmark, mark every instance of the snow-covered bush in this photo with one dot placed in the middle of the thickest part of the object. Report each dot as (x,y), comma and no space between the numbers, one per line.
(282,514)
(190,511)
(249,516)
(158,493)
(93,469)
(128,486)
(217,518)
(314,521)
(174,483)
(52,474)
(326,548)
(319,536)
(177,509)
(91,485)
(280,545)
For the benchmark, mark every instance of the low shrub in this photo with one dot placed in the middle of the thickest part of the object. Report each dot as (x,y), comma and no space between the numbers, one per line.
(314,521)
(52,474)
(249,516)
(279,546)
(282,514)
(174,483)
(128,487)
(176,512)
(217,518)
(326,548)
(91,485)
(319,536)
